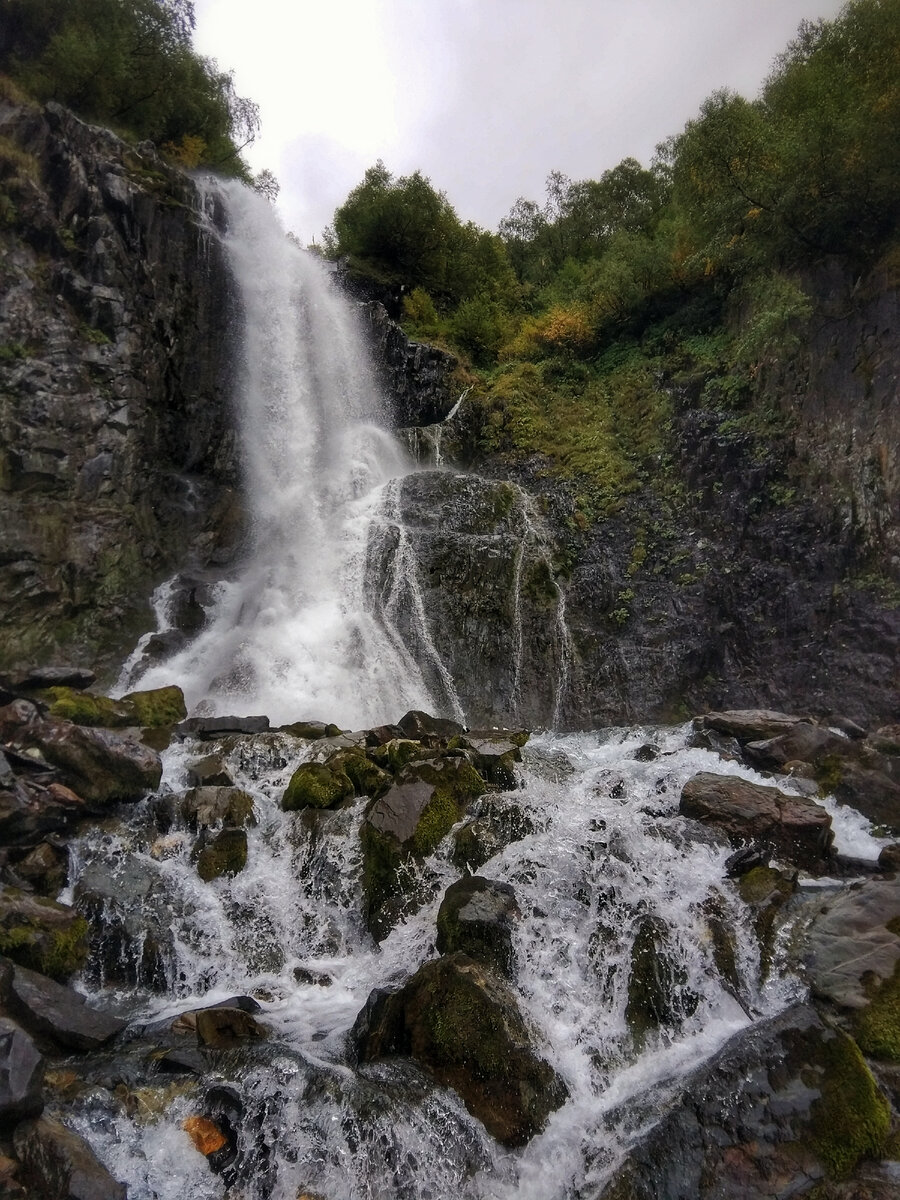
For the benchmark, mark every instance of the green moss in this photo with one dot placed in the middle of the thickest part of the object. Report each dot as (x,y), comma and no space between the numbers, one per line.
(830,773)
(316,785)
(877,1027)
(58,953)
(226,854)
(438,817)
(367,777)
(851,1120)
(158,707)
(381,859)
(88,708)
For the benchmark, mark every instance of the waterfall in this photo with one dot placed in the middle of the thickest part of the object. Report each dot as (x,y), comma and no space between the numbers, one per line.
(293,635)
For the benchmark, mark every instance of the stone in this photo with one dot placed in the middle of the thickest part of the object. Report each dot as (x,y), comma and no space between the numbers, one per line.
(889,858)
(853,944)
(88,708)
(210,771)
(316,785)
(367,777)
(21,1075)
(427,798)
(42,935)
(45,868)
(657,996)
(422,727)
(157,707)
(792,828)
(478,916)
(765,890)
(787,1103)
(49,1009)
(205,1134)
(803,743)
(206,728)
(311,730)
(225,854)
(462,1024)
(29,811)
(886,740)
(871,793)
(497,824)
(202,807)
(44,677)
(221,1028)
(63,1163)
(748,724)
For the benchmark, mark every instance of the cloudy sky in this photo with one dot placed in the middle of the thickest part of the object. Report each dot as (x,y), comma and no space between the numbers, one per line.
(485,97)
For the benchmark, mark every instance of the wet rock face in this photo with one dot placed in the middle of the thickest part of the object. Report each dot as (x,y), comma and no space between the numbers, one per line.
(21,1074)
(61,1165)
(117,462)
(416,378)
(460,1022)
(477,916)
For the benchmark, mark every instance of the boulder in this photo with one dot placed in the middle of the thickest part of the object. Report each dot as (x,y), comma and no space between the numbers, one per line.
(494,753)
(886,740)
(431,731)
(889,858)
(310,730)
(220,1028)
(792,828)
(872,793)
(44,677)
(427,798)
(497,824)
(29,811)
(206,728)
(47,1008)
(99,764)
(657,995)
(748,724)
(785,1104)
(367,777)
(132,939)
(202,807)
(766,890)
(62,1163)
(87,708)
(316,785)
(461,1023)
(225,854)
(21,1074)
(42,935)
(210,771)
(478,916)
(804,742)
(158,707)
(45,868)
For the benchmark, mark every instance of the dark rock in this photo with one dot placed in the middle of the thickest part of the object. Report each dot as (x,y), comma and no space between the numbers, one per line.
(787,1103)
(213,727)
(202,807)
(221,1028)
(886,740)
(745,860)
(46,677)
(21,1074)
(477,916)
(421,727)
(47,1008)
(45,868)
(853,731)
(158,707)
(225,854)
(497,825)
(62,1164)
(40,934)
(872,793)
(657,995)
(748,724)
(766,890)
(99,764)
(311,730)
(646,753)
(727,748)
(790,827)
(29,811)
(87,708)
(463,1025)
(803,743)
(416,377)
(428,797)
(210,771)
(131,940)
(889,858)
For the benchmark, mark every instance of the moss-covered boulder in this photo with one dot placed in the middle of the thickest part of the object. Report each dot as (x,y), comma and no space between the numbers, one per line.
(225,854)
(461,1023)
(766,890)
(203,807)
(427,798)
(478,916)
(88,708)
(367,777)
(157,707)
(498,823)
(41,934)
(316,785)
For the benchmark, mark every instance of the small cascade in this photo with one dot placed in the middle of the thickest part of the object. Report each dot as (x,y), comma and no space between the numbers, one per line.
(425,441)
(599,855)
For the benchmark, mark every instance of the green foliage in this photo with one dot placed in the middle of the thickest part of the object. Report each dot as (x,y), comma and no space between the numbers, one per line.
(131,65)
(852,1119)
(877,1027)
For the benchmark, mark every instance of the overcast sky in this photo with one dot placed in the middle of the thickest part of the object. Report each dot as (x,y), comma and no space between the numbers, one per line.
(485,97)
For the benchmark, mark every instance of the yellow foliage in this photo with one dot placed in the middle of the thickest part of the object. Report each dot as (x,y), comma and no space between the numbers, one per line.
(187,153)
(559,330)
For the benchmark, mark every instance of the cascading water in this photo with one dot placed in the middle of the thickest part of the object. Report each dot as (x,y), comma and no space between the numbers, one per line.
(293,635)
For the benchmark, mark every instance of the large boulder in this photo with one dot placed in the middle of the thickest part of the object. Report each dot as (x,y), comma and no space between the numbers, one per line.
(748,724)
(21,1074)
(30,810)
(478,917)
(427,798)
(203,807)
(62,1164)
(782,1106)
(316,785)
(42,935)
(792,828)
(803,742)
(657,995)
(51,1010)
(224,854)
(462,1024)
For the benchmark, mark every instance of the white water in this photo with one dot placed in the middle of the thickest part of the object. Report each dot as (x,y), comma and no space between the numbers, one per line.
(293,636)
(605,849)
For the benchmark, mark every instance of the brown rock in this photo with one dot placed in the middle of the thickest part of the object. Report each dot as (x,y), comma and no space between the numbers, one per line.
(791,827)
(205,1134)
(748,724)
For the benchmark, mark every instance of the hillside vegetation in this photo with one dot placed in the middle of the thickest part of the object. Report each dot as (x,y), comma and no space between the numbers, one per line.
(585,313)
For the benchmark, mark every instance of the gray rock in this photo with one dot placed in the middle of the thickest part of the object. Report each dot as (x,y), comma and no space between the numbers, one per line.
(202,807)
(63,1162)
(210,771)
(803,743)
(849,946)
(213,727)
(478,916)
(748,724)
(47,1008)
(21,1074)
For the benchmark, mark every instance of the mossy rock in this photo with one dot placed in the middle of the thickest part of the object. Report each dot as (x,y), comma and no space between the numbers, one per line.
(316,785)
(158,707)
(877,1027)
(852,1118)
(394,755)
(226,854)
(88,708)
(367,777)
(766,890)
(42,935)
(657,995)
